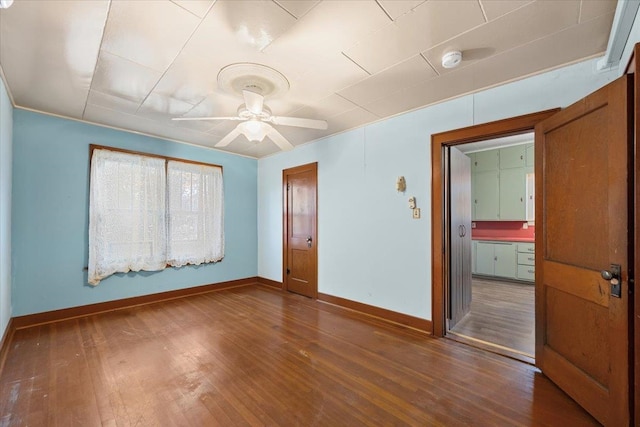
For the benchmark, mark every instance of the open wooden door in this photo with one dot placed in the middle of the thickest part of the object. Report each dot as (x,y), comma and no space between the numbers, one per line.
(583,170)
(300,257)
(459,235)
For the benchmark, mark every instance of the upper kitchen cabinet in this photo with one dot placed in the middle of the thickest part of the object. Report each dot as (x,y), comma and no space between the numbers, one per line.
(501,190)
(485,161)
(530,155)
(512,157)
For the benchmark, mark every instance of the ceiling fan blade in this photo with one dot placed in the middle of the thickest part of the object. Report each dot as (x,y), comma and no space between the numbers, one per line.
(206,118)
(227,139)
(279,140)
(299,122)
(253,101)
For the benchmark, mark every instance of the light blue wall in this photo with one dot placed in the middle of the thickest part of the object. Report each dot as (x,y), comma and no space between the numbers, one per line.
(370,250)
(51,208)
(6,141)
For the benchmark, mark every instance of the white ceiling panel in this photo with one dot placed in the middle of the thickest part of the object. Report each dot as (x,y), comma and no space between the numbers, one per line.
(590,9)
(351,119)
(122,78)
(324,108)
(329,28)
(329,75)
(239,25)
(427,25)
(48,52)
(112,102)
(163,108)
(298,8)
(150,32)
(387,82)
(538,56)
(265,148)
(530,26)
(135,64)
(496,8)
(197,7)
(396,8)
(118,119)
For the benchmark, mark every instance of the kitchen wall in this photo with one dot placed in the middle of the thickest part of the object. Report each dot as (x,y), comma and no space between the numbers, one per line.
(370,250)
(51,211)
(6,142)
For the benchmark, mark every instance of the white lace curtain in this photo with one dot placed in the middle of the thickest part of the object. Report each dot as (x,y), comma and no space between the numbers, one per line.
(142,219)
(195,209)
(127,226)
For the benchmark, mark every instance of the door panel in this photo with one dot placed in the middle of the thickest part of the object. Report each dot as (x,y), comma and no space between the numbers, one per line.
(581,209)
(459,235)
(300,254)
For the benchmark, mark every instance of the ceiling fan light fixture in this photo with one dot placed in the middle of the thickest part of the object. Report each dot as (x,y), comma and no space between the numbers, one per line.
(253,130)
(451,59)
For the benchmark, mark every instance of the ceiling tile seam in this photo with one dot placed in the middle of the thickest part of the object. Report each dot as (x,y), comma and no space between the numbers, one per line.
(357,106)
(580,11)
(395,92)
(449,40)
(193,13)
(134,132)
(384,10)
(358,65)
(174,58)
(285,9)
(95,66)
(484,12)
(430,64)
(498,19)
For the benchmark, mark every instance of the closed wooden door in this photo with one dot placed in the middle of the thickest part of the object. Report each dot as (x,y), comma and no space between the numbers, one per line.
(459,235)
(582,202)
(300,266)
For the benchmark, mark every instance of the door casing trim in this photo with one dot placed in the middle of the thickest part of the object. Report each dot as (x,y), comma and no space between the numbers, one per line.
(285,242)
(439,246)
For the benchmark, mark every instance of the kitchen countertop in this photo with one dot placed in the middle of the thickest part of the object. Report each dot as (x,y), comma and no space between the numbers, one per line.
(505,239)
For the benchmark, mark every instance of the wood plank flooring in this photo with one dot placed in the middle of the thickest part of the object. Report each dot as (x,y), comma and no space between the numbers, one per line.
(257,356)
(502,313)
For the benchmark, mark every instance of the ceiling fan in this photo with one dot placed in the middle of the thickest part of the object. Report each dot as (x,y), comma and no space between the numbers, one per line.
(256,122)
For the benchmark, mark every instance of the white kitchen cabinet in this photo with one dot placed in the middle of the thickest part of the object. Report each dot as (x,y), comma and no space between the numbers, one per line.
(497,259)
(513,195)
(530,155)
(512,157)
(499,189)
(485,161)
(526,262)
(486,196)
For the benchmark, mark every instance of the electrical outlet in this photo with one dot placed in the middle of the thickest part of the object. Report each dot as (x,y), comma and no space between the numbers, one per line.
(416,213)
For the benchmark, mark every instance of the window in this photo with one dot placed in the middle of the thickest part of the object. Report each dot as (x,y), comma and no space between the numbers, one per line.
(147,212)
(195,214)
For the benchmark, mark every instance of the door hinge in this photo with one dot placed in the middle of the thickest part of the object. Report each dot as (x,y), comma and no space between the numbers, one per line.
(288,186)
(288,271)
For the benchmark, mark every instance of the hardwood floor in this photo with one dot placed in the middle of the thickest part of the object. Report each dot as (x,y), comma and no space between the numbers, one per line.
(502,313)
(258,356)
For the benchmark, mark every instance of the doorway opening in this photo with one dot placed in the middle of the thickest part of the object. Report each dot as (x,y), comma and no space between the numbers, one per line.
(491,229)
(482,294)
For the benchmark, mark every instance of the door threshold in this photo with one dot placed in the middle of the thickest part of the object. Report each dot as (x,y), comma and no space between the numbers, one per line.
(491,347)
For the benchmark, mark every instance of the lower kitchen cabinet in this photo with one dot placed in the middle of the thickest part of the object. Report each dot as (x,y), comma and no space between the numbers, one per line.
(504,259)
(496,259)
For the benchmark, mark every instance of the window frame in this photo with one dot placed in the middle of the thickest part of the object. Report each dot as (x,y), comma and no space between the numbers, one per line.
(166,159)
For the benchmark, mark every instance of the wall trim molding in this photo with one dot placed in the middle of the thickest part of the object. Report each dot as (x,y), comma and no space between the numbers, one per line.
(269,282)
(29,320)
(5,342)
(422,325)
